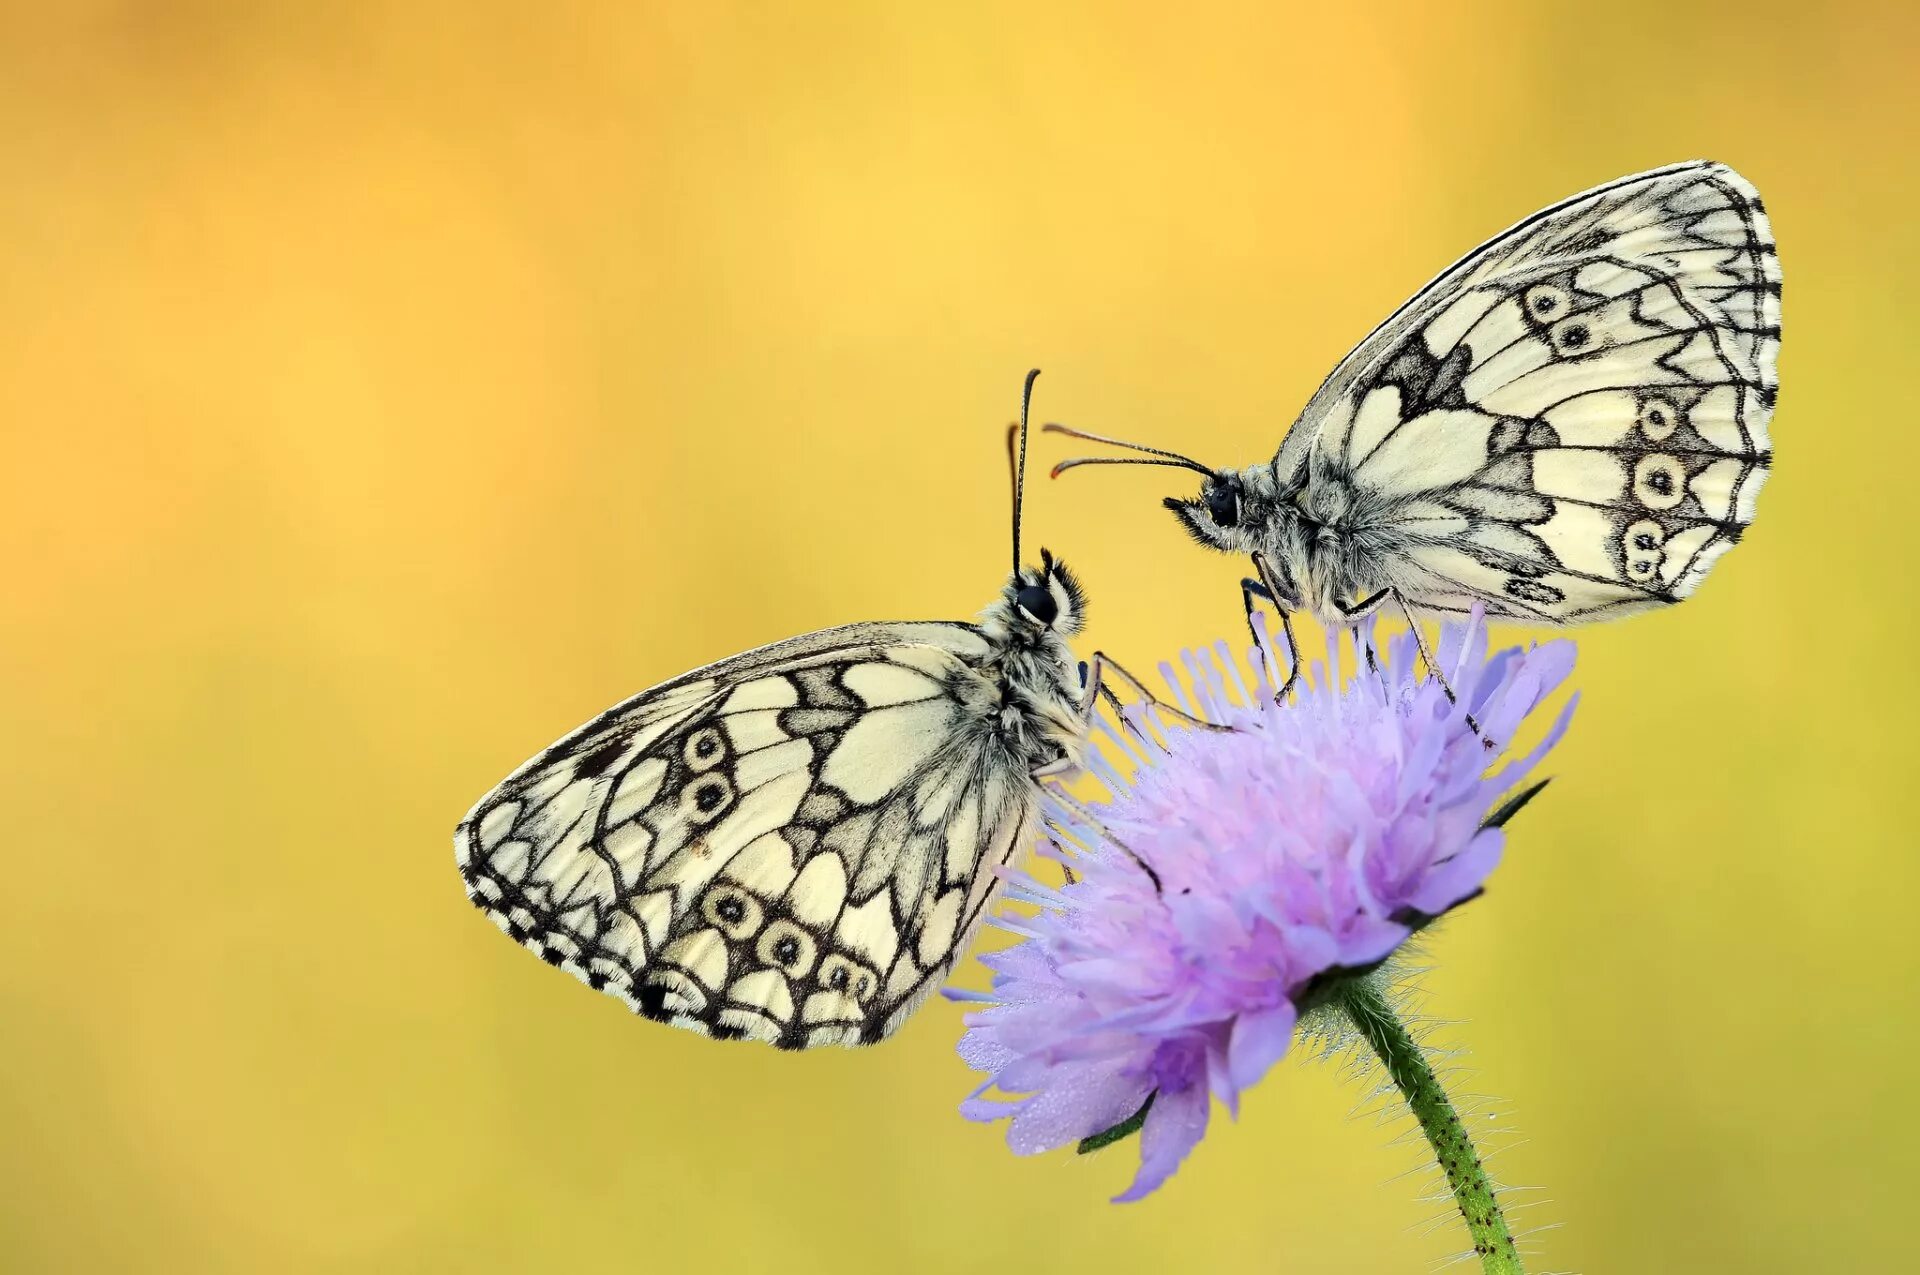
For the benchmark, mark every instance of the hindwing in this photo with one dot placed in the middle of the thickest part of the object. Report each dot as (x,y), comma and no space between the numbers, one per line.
(1571,422)
(787,846)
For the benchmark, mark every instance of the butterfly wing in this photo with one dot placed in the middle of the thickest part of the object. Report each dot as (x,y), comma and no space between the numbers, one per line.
(1570,423)
(786,846)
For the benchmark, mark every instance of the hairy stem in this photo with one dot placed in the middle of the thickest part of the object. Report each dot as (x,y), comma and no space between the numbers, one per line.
(1406,1062)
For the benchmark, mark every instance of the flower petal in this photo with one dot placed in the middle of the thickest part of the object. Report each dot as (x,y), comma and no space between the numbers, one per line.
(1078,1101)
(1460,876)
(1174,1127)
(1260,1040)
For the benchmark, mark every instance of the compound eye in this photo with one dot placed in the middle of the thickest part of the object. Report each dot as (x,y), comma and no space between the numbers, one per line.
(1223,505)
(1037,601)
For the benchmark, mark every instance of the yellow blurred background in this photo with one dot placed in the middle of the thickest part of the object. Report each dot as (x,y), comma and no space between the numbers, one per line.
(385,390)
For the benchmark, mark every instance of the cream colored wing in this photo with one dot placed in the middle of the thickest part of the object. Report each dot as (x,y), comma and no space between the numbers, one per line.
(1571,423)
(787,846)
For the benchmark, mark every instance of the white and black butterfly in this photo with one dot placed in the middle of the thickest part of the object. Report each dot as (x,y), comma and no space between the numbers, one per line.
(1569,424)
(794,845)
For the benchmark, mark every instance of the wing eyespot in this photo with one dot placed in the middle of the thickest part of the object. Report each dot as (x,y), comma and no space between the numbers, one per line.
(1645,535)
(787,948)
(1546,302)
(1572,337)
(706,798)
(1659,481)
(848,977)
(1658,417)
(732,911)
(705,748)
(1642,547)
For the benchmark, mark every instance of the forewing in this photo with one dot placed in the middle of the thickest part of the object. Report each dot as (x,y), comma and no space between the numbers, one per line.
(1572,422)
(786,846)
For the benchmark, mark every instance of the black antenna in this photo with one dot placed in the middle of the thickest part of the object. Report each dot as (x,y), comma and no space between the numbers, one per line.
(1020,465)
(1171,459)
(1078,461)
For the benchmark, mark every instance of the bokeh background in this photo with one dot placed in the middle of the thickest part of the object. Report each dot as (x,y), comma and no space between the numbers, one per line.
(386,389)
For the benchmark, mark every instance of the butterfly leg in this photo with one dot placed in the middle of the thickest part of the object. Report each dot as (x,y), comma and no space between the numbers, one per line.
(1249,590)
(1433,665)
(1066,869)
(1264,587)
(1354,613)
(1105,692)
(1426,652)
(1079,808)
(1105,666)
(1062,768)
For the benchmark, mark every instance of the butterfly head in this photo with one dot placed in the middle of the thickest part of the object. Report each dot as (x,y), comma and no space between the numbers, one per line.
(1217,517)
(1042,599)
(1037,600)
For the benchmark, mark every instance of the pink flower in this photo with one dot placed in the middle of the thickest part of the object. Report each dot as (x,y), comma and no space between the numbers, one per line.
(1234,877)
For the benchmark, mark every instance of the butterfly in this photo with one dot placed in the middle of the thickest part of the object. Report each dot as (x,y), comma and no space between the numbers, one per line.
(1568,424)
(794,845)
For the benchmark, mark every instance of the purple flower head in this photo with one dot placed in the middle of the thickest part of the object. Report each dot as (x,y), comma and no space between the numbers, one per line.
(1231,877)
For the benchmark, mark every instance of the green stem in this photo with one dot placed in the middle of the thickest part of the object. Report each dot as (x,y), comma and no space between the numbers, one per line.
(1406,1062)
